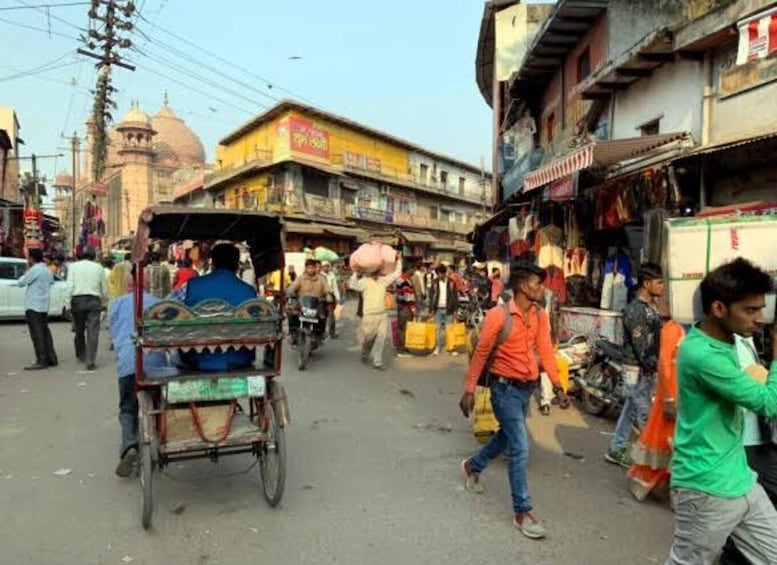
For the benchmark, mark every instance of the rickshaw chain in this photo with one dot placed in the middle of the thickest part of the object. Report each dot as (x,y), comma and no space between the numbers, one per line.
(165,474)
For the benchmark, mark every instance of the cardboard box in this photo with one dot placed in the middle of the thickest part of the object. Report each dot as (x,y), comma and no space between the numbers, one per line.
(695,246)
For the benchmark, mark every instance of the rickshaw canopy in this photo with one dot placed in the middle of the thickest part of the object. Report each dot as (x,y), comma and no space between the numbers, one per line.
(262,232)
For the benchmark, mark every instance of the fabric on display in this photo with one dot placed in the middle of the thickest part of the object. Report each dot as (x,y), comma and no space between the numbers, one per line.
(617,282)
(548,247)
(554,281)
(653,243)
(576,262)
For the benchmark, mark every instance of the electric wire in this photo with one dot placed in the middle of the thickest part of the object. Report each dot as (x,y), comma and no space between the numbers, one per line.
(43,6)
(50,66)
(48,14)
(46,31)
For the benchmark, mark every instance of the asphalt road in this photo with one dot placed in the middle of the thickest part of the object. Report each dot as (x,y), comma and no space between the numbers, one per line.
(372,477)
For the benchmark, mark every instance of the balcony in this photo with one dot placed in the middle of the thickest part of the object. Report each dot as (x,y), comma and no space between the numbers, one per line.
(253,161)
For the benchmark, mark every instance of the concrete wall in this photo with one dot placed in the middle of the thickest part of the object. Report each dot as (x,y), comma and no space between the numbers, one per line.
(434,167)
(744,104)
(516,28)
(672,94)
(629,21)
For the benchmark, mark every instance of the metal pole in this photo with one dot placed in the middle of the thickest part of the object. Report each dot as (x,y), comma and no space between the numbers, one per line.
(74,149)
(36,202)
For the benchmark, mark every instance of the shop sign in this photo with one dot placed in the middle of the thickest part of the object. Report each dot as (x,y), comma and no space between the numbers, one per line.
(98,189)
(562,189)
(375,215)
(757,37)
(363,162)
(305,137)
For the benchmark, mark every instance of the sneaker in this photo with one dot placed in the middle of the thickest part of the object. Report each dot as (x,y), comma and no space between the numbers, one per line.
(379,367)
(529,526)
(545,410)
(471,479)
(454,353)
(436,352)
(618,457)
(403,354)
(127,463)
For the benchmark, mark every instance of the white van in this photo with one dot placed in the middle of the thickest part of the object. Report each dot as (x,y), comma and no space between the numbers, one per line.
(12,296)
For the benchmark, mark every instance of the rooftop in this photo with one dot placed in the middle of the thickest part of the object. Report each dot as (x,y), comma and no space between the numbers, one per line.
(293,105)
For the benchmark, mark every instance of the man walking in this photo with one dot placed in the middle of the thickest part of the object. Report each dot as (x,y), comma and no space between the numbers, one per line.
(443,300)
(121,323)
(331,282)
(513,376)
(407,306)
(641,329)
(87,291)
(715,492)
(375,322)
(37,300)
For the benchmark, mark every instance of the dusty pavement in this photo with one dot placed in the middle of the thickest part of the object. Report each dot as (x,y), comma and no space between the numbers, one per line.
(373,477)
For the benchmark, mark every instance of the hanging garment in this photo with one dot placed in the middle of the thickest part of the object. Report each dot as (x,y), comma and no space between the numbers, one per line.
(653,244)
(513,230)
(576,262)
(554,281)
(548,246)
(617,283)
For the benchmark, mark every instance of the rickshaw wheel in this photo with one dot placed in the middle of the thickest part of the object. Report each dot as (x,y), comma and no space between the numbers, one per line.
(272,452)
(303,350)
(146,484)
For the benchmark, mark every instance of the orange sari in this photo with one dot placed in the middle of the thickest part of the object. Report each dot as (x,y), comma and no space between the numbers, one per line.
(652,453)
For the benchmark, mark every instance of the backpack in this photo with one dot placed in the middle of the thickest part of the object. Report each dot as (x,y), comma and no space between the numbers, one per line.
(474,337)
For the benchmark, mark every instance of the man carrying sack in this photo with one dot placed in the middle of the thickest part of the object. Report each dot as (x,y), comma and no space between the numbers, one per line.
(508,365)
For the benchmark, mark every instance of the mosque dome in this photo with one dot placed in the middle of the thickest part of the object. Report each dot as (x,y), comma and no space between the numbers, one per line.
(174,140)
(135,117)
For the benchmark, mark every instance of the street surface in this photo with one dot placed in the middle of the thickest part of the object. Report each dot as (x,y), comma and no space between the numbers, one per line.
(373,476)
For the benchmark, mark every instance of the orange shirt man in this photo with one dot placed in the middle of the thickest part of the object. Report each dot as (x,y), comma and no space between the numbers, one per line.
(514,377)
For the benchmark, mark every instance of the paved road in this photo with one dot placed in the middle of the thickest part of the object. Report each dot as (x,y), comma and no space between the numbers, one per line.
(372,477)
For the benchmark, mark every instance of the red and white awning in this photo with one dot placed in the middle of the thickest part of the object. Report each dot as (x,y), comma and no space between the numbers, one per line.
(598,154)
(757,37)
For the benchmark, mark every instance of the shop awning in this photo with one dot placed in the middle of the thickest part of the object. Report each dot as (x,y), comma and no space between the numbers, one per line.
(345,231)
(416,237)
(723,146)
(598,154)
(301,227)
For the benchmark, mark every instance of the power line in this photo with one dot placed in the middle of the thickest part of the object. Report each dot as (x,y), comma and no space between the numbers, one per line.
(198,77)
(190,59)
(197,90)
(37,70)
(231,63)
(46,31)
(43,6)
(46,12)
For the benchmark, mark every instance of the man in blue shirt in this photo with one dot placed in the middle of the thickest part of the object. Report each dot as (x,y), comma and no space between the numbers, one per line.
(121,324)
(222,283)
(37,299)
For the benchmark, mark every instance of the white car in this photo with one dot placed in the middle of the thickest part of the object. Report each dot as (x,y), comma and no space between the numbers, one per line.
(12,297)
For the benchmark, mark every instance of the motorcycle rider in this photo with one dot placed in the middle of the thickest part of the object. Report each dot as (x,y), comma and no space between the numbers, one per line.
(309,283)
(331,280)
(641,328)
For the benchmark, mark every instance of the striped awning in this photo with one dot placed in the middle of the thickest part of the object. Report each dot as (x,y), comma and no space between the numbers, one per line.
(598,154)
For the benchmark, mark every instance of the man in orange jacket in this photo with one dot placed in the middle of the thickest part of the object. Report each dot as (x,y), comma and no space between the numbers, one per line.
(513,376)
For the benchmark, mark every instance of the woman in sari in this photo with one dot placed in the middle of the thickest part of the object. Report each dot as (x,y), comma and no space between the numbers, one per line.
(652,452)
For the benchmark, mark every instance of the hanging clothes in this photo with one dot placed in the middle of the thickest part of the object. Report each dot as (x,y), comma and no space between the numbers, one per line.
(653,243)
(617,283)
(548,247)
(554,281)
(576,262)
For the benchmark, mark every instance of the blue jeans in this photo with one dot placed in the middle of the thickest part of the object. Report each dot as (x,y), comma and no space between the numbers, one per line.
(511,404)
(441,319)
(636,408)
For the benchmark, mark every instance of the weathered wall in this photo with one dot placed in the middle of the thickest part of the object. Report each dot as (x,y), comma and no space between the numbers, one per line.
(629,21)
(673,94)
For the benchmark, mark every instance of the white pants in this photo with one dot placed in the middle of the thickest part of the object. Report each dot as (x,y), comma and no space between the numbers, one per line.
(375,329)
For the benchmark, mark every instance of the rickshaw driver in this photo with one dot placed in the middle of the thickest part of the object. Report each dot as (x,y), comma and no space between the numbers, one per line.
(222,283)
(310,283)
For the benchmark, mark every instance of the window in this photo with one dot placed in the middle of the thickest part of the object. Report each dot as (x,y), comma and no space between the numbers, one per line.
(650,128)
(452,217)
(423,172)
(462,185)
(583,65)
(11,271)
(434,212)
(463,218)
(444,178)
(550,126)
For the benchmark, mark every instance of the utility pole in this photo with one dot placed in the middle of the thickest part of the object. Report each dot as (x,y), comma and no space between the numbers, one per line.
(74,146)
(31,186)
(108,19)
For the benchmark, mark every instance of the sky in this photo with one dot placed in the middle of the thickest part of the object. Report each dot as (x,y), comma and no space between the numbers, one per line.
(405,66)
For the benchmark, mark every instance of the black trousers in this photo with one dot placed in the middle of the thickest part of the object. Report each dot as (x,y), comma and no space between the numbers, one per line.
(128,414)
(86,318)
(38,323)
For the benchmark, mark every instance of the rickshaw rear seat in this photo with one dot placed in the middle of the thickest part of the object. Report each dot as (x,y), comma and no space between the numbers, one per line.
(210,325)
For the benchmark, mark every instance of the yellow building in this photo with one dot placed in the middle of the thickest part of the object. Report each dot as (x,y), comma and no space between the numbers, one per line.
(338,182)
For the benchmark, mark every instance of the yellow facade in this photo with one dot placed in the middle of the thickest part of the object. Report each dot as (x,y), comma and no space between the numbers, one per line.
(325,143)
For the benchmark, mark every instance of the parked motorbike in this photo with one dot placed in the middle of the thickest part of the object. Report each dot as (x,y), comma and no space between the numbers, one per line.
(602,384)
(470,311)
(310,334)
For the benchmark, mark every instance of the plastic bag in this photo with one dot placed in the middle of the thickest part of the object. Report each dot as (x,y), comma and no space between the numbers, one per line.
(324,254)
(455,336)
(373,257)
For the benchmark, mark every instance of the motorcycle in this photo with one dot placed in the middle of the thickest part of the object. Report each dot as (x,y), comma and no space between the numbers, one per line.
(470,311)
(602,384)
(310,335)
